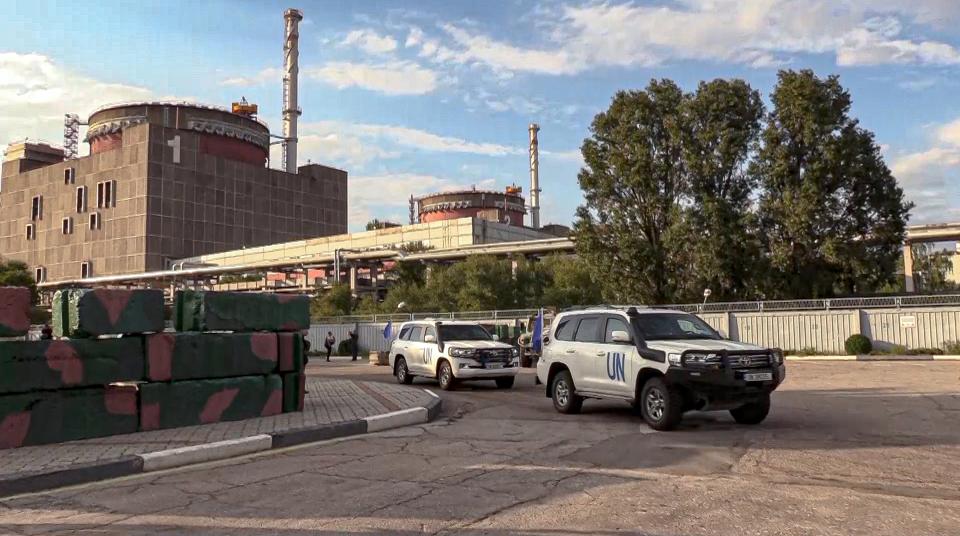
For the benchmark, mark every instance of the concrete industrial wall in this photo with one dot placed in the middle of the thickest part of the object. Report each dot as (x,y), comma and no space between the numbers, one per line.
(823,331)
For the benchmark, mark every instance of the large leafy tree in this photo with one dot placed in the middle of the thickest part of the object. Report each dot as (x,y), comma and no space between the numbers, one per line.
(17,274)
(721,125)
(632,183)
(570,281)
(831,214)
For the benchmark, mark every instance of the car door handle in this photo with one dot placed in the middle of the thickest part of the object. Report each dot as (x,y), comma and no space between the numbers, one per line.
(571,351)
(601,354)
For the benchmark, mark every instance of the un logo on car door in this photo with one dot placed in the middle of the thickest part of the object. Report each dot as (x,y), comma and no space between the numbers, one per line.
(615,366)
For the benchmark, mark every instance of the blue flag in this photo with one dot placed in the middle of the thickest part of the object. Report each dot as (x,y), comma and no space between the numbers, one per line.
(388,331)
(537,337)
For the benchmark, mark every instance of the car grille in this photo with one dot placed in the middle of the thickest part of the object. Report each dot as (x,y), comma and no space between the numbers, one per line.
(744,361)
(499,354)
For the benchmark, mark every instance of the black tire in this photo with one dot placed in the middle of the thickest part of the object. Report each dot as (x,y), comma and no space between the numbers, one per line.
(445,376)
(402,373)
(752,413)
(661,405)
(563,392)
(505,383)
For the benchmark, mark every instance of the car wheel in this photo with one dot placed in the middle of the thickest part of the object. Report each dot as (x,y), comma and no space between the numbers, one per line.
(505,383)
(661,405)
(402,372)
(752,413)
(445,376)
(565,399)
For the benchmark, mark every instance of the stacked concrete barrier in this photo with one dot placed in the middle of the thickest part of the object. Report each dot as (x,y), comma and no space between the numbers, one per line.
(119,372)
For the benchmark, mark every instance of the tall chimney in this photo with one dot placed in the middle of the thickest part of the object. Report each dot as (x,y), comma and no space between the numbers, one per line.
(534,177)
(291,72)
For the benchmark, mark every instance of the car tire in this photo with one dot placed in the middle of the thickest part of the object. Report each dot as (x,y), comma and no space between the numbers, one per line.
(445,376)
(402,372)
(661,405)
(565,398)
(505,383)
(752,413)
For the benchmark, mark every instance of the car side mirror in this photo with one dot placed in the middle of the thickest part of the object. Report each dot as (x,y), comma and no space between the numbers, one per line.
(429,338)
(495,337)
(621,336)
(546,339)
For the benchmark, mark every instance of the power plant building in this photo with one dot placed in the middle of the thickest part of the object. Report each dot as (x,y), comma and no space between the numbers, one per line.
(163,181)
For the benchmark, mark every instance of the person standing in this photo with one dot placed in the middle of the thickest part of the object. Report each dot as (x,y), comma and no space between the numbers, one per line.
(354,343)
(328,344)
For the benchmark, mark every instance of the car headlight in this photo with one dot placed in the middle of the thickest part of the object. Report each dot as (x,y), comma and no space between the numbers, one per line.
(462,352)
(674,359)
(776,355)
(515,352)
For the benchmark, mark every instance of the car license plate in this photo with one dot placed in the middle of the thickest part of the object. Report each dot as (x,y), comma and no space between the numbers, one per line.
(494,365)
(758,376)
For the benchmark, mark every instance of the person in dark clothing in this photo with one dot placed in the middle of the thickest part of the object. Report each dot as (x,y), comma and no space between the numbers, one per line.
(46,333)
(354,344)
(328,343)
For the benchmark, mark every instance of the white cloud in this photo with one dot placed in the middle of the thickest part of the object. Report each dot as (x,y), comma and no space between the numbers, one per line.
(759,33)
(929,177)
(949,134)
(391,78)
(412,138)
(370,41)
(35,93)
(267,75)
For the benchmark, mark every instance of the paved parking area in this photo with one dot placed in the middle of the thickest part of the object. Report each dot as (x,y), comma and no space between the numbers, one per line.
(849,448)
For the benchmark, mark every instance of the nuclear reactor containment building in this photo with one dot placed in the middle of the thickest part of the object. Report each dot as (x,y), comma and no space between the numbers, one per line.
(163,181)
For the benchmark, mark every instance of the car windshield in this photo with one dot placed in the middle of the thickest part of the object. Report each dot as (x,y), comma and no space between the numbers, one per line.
(463,332)
(673,326)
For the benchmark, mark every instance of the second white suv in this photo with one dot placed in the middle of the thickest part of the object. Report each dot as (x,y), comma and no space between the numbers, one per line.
(663,362)
(450,352)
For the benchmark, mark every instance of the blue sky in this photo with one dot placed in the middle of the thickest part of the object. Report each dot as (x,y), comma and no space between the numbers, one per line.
(417,97)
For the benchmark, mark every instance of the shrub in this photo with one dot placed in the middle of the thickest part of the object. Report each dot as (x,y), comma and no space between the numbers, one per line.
(951,347)
(858,344)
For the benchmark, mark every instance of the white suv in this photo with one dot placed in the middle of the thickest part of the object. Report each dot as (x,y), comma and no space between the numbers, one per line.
(663,362)
(452,351)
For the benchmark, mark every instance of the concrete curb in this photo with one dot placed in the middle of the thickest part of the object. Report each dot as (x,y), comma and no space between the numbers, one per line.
(873,358)
(166,459)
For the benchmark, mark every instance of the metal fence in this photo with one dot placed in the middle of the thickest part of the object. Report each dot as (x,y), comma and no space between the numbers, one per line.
(896,302)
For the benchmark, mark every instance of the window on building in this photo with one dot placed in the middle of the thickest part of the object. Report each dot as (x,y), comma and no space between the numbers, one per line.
(69,175)
(86,270)
(112,193)
(100,194)
(66,226)
(36,209)
(31,232)
(81,199)
(106,194)
(40,274)
(94,221)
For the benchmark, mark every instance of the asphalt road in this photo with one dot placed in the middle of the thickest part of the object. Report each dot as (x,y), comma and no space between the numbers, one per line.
(849,448)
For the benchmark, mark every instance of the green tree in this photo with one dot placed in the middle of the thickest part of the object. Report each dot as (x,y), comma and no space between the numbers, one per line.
(570,281)
(335,301)
(375,224)
(632,183)
(17,274)
(831,215)
(932,269)
(721,125)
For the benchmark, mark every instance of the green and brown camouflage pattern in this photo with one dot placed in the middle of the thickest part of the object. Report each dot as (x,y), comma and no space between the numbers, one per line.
(290,352)
(187,356)
(14,311)
(193,402)
(55,416)
(57,364)
(105,311)
(240,311)
(294,389)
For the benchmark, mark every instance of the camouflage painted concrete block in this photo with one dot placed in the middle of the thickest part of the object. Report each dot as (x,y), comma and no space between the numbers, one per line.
(294,389)
(240,311)
(290,352)
(186,356)
(192,402)
(55,416)
(14,311)
(104,311)
(58,364)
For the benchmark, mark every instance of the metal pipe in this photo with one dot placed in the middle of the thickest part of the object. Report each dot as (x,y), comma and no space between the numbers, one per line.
(291,73)
(534,177)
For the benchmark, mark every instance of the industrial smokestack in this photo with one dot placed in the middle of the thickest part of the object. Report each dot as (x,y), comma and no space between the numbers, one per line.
(534,177)
(291,73)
